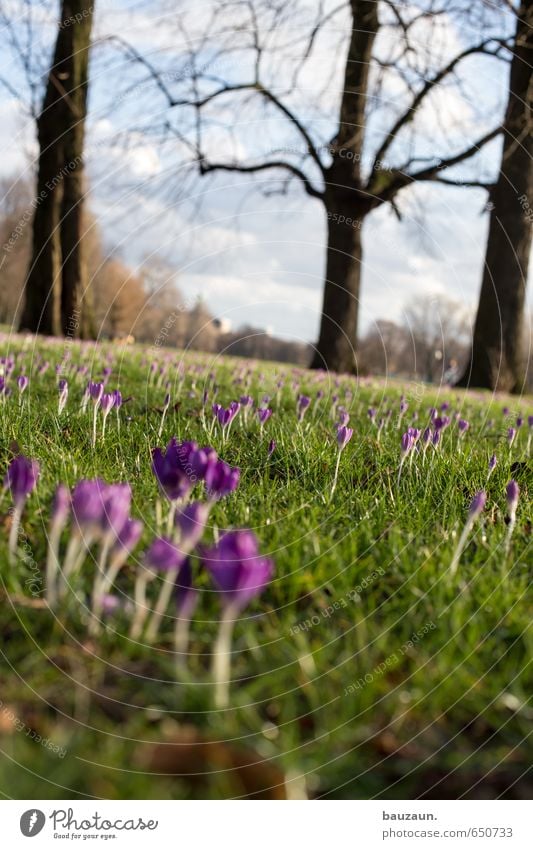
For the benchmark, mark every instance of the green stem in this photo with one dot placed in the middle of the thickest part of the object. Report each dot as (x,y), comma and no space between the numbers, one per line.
(222,658)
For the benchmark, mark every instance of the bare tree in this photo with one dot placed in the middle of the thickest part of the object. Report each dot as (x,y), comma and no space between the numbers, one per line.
(56,277)
(496,360)
(438,329)
(258,61)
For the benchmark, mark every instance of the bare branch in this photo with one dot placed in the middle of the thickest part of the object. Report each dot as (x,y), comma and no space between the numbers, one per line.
(429,85)
(206,167)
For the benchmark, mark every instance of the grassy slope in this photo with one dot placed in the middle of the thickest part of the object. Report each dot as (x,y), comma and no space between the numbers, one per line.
(445,716)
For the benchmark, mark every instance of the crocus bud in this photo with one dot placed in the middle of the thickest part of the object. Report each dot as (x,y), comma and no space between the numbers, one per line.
(221,479)
(302,405)
(512,493)
(264,414)
(96,390)
(22,475)
(107,402)
(477,504)
(191,522)
(237,568)
(406,443)
(60,506)
(129,535)
(88,503)
(344,434)
(163,556)
(22,383)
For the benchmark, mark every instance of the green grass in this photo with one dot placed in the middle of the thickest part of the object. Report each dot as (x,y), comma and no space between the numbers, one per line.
(444,713)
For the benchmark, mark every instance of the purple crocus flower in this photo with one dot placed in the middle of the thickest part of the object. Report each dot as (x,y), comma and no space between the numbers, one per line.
(128,536)
(477,505)
(22,383)
(407,443)
(344,434)
(107,402)
(191,522)
(240,573)
(492,463)
(302,405)
(463,426)
(96,390)
(512,492)
(263,415)
(414,433)
(88,504)
(238,570)
(226,416)
(511,433)
(21,478)
(60,505)
(441,422)
(116,504)
(221,479)
(163,556)
(344,416)
(173,468)
(200,459)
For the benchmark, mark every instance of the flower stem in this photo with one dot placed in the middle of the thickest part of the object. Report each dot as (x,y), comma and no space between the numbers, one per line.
(140,604)
(336,475)
(181,641)
(222,658)
(161,605)
(52,566)
(460,547)
(14,532)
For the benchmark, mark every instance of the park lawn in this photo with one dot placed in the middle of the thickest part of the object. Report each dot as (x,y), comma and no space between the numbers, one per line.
(364,670)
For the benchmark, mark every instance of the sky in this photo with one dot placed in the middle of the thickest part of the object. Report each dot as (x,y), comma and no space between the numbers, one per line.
(259,260)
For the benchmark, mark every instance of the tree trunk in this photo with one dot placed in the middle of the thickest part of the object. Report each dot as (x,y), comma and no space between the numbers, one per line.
(42,308)
(338,327)
(55,280)
(345,202)
(496,360)
(74,296)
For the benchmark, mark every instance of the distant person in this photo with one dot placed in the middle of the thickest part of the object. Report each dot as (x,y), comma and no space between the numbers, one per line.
(451,375)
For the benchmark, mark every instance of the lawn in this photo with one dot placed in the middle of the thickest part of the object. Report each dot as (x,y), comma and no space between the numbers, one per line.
(365,668)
